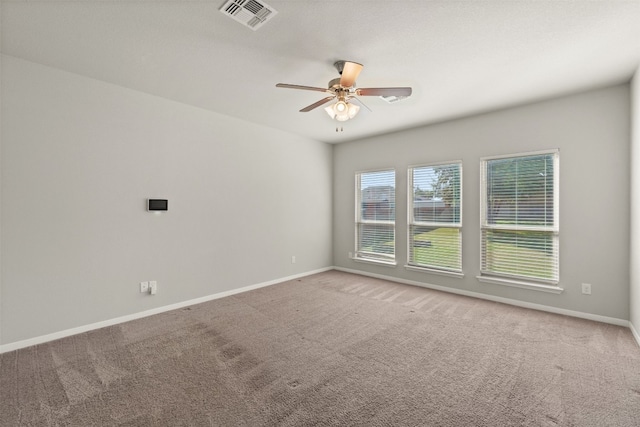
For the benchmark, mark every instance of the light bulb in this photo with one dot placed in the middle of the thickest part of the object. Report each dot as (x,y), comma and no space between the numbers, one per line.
(340,107)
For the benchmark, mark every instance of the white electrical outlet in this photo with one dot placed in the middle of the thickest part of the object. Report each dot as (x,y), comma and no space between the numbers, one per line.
(293,259)
(144,287)
(586,288)
(153,287)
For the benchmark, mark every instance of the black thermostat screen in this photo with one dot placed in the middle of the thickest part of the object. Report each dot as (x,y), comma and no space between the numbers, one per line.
(158,205)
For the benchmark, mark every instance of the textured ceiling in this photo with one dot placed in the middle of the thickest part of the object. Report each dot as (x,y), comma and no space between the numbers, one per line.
(460,57)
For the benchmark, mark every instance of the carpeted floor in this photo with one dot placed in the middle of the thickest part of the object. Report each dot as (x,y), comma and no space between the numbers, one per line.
(331,349)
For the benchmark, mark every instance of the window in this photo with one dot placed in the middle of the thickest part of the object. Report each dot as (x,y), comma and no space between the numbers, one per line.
(519,217)
(435,217)
(375,215)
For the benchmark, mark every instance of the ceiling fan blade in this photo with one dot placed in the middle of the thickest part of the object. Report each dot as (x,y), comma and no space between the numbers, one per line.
(288,86)
(384,91)
(350,73)
(317,104)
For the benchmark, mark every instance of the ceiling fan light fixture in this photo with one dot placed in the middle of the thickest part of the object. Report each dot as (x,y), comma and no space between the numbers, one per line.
(352,110)
(342,117)
(330,111)
(342,111)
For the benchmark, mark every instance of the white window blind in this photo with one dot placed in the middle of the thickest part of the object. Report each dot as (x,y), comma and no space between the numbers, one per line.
(519,217)
(435,217)
(375,215)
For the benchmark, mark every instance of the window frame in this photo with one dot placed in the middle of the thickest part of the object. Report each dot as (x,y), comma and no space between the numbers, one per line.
(554,230)
(374,257)
(411,221)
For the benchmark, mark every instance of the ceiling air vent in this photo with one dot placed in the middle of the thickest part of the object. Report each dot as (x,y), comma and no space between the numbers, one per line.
(250,13)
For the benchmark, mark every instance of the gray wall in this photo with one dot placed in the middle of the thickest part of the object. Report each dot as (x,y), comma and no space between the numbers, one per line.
(592,132)
(79,159)
(634,296)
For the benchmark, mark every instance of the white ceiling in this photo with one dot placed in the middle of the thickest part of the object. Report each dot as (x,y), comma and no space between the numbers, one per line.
(460,57)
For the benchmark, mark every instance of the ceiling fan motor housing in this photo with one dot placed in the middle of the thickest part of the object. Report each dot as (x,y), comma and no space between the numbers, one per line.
(334,84)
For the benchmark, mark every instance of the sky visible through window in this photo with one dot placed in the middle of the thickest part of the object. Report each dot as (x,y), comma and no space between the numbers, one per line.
(376,178)
(424,179)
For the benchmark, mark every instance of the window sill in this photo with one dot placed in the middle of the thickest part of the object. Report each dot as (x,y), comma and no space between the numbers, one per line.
(374,261)
(519,284)
(457,275)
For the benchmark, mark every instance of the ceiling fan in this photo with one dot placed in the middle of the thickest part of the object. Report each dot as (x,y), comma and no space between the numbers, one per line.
(343,89)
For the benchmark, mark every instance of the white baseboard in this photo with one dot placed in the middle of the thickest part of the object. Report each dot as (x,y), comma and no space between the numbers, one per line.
(540,307)
(635,333)
(80,329)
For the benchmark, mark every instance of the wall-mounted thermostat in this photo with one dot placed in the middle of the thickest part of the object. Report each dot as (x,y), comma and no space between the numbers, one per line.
(158,205)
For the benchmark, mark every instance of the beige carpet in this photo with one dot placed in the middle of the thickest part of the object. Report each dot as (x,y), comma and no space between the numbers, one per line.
(331,349)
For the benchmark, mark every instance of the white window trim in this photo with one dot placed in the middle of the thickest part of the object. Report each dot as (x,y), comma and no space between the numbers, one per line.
(410,222)
(439,272)
(374,258)
(374,261)
(504,279)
